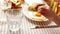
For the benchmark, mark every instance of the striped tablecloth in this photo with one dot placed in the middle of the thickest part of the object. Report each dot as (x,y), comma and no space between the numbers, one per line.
(26,27)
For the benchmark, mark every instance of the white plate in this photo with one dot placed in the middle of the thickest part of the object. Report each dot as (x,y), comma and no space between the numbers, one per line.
(31,14)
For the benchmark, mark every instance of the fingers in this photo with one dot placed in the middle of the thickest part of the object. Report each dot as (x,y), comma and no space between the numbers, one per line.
(46,11)
(43,7)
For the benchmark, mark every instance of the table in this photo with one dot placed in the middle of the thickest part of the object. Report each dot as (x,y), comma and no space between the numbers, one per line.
(26,27)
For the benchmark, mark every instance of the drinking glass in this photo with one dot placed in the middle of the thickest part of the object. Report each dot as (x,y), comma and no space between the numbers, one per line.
(14,18)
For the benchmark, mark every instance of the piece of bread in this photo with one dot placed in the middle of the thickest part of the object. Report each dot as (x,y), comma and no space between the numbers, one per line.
(34,6)
(16,4)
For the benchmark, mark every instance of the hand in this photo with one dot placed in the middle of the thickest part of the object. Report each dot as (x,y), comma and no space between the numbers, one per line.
(47,12)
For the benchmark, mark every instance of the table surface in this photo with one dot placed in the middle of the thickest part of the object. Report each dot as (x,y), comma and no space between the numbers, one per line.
(26,27)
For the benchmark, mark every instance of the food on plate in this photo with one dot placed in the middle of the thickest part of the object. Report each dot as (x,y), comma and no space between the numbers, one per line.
(34,6)
(32,12)
(16,4)
(38,14)
(31,8)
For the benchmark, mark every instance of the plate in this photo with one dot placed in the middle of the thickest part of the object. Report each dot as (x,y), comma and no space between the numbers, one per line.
(31,14)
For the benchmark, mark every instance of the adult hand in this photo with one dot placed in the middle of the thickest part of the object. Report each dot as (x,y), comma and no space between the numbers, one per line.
(48,13)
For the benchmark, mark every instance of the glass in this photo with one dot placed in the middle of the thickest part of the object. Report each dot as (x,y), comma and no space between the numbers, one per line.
(14,18)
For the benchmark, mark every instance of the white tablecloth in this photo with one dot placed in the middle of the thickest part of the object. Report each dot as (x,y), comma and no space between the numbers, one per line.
(2,16)
(26,27)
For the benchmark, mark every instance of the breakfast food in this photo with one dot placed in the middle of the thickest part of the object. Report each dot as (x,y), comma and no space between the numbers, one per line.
(31,8)
(38,14)
(34,8)
(15,8)
(16,4)
(34,14)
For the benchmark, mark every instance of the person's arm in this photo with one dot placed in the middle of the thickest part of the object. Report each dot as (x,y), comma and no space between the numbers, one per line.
(52,16)
(48,13)
(57,20)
